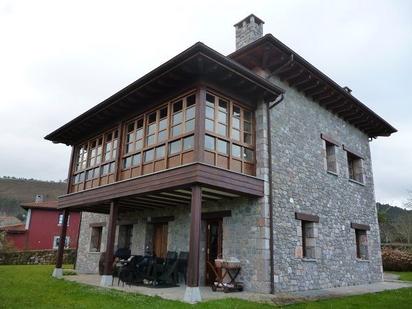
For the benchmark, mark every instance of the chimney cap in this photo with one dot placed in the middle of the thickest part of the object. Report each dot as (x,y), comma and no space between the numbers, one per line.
(247,20)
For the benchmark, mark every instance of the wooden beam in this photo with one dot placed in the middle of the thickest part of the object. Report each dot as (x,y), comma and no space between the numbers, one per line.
(293,76)
(62,242)
(111,232)
(314,92)
(312,85)
(194,243)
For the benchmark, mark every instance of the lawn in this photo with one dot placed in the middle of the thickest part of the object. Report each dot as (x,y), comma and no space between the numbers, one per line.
(405,276)
(32,287)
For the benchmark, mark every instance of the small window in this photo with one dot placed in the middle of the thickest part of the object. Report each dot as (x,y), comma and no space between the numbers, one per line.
(160,152)
(209,142)
(177,106)
(127,162)
(236,151)
(56,242)
(308,239)
(191,100)
(148,155)
(355,169)
(331,157)
(96,239)
(361,244)
(222,146)
(248,154)
(136,159)
(188,142)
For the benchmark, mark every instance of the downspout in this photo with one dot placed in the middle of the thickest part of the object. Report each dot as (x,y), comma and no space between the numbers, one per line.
(269,106)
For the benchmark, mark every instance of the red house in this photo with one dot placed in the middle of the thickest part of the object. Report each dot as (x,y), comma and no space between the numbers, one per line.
(42,228)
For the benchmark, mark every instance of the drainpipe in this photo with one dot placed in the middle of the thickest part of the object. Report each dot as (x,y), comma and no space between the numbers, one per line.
(269,106)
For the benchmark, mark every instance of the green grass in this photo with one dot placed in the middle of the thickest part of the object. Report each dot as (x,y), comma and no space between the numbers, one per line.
(32,287)
(404,276)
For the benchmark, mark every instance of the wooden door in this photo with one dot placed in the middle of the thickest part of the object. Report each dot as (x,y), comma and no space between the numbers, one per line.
(214,238)
(160,239)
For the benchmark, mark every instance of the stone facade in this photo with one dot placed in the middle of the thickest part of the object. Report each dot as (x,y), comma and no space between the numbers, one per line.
(302,184)
(248,30)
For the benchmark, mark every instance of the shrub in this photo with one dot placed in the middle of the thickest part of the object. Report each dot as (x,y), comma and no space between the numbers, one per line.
(396,259)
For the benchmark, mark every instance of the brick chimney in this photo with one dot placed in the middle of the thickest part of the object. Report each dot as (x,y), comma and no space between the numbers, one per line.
(39,198)
(248,30)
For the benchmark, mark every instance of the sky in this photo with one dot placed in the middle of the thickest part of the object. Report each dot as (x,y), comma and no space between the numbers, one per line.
(60,58)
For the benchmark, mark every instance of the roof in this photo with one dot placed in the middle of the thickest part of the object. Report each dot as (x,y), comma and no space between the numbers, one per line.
(197,63)
(8,220)
(40,205)
(271,54)
(15,228)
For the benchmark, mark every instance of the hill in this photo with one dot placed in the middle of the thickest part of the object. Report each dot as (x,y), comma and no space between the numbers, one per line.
(14,191)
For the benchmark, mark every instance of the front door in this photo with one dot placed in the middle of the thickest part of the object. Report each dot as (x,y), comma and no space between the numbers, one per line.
(214,239)
(160,239)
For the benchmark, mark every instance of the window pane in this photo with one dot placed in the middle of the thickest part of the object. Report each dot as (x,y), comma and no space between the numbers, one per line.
(130,127)
(222,117)
(209,142)
(140,123)
(190,125)
(247,138)
(177,106)
(150,140)
(221,129)
(112,167)
(188,142)
(151,128)
(163,113)
(236,151)
(235,123)
(247,154)
(222,146)
(209,125)
(152,117)
(190,100)
(210,112)
(148,155)
(177,118)
(190,113)
(222,105)
(175,147)
(136,159)
(163,124)
(139,144)
(236,135)
(89,175)
(160,152)
(127,162)
(162,136)
(236,112)
(210,98)
(96,172)
(105,169)
(177,130)
(139,134)
(247,126)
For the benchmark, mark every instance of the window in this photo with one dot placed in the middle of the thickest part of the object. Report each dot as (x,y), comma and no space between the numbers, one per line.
(188,143)
(96,238)
(60,220)
(56,242)
(307,235)
(209,142)
(361,244)
(331,157)
(355,169)
(175,147)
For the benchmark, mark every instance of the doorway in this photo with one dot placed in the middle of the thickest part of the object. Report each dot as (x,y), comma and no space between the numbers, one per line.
(214,239)
(160,239)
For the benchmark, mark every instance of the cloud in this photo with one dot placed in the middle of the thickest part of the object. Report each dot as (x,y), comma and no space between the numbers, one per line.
(59,59)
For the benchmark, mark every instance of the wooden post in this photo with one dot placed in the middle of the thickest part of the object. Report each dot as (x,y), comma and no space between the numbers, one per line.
(111,233)
(58,271)
(192,293)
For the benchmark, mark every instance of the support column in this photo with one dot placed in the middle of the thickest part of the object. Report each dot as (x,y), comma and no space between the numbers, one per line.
(107,277)
(192,293)
(58,270)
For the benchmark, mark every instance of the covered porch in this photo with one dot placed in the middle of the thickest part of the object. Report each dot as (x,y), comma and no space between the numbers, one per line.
(183,205)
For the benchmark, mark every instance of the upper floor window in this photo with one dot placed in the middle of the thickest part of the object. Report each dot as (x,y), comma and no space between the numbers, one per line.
(331,165)
(355,166)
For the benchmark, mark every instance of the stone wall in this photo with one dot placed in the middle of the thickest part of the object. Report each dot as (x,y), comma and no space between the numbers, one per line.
(36,257)
(302,184)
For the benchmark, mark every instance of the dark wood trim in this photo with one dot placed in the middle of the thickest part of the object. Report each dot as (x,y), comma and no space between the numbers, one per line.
(119,151)
(358,226)
(70,174)
(97,224)
(63,232)
(194,243)
(216,214)
(306,217)
(329,139)
(352,152)
(111,233)
(160,219)
(200,124)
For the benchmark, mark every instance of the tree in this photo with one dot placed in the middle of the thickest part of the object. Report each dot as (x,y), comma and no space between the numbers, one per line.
(5,245)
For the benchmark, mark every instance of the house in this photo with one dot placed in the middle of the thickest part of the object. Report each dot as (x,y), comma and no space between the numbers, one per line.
(42,228)
(256,155)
